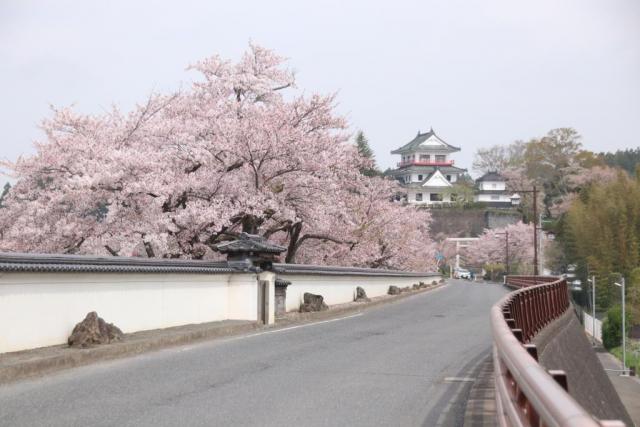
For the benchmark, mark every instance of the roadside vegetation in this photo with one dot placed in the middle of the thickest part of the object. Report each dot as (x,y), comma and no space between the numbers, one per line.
(590,205)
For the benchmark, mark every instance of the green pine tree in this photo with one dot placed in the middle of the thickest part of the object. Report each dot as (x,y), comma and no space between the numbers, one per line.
(365,151)
(6,189)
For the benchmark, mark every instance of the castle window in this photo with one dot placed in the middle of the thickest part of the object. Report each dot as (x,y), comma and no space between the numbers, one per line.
(495,197)
(425,157)
(418,197)
(419,177)
(435,197)
(440,158)
(448,177)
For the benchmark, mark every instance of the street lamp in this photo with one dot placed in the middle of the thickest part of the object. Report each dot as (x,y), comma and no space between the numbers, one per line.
(515,201)
(593,308)
(624,336)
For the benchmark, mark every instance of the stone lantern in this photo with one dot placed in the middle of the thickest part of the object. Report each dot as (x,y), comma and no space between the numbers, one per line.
(250,252)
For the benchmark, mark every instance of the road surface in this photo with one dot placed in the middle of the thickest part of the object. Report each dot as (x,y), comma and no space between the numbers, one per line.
(408,363)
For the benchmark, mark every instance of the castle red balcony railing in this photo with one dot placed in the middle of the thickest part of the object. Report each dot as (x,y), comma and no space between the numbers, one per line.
(424,163)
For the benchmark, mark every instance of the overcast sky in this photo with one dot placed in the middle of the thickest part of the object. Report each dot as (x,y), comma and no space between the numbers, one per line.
(479,72)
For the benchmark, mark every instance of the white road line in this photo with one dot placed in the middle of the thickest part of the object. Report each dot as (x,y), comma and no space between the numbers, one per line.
(293,327)
(459,380)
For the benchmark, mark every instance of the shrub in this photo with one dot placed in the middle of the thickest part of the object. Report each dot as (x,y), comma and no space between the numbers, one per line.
(612,327)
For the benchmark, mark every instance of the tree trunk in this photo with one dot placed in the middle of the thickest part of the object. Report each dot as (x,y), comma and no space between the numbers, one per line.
(292,248)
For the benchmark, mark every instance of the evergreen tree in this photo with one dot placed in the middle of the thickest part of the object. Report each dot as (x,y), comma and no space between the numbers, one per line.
(628,159)
(365,151)
(6,189)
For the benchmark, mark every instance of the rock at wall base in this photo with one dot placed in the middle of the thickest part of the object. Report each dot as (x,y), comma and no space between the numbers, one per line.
(361,295)
(93,330)
(313,302)
(393,290)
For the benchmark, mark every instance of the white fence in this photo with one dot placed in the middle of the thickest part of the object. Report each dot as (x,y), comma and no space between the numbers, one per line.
(589,324)
(42,297)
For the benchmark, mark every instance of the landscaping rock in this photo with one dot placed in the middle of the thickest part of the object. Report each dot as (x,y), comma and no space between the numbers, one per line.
(394,290)
(422,285)
(415,286)
(313,302)
(434,283)
(405,289)
(93,330)
(361,295)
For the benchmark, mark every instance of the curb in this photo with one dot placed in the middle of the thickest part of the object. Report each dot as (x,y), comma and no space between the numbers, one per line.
(64,358)
(67,358)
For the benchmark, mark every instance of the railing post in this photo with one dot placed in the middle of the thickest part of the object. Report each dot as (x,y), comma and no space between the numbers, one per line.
(532,349)
(561,378)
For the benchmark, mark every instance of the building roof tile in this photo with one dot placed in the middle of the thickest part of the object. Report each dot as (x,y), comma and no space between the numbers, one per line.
(422,137)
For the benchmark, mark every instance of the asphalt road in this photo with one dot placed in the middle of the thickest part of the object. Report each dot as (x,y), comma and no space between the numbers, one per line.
(408,363)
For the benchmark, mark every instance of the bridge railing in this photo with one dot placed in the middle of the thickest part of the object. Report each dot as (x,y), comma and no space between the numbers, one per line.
(526,393)
(518,282)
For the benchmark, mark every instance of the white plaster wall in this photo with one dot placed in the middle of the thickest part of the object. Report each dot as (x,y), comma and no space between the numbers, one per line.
(493,185)
(411,197)
(503,198)
(342,289)
(41,309)
(271,294)
(242,297)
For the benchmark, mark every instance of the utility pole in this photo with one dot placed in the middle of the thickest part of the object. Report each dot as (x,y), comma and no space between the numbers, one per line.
(506,263)
(541,245)
(535,231)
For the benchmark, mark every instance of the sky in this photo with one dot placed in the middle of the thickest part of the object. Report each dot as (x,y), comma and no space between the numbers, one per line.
(479,72)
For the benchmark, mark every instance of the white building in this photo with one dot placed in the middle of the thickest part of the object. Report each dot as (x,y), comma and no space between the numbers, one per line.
(491,188)
(425,170)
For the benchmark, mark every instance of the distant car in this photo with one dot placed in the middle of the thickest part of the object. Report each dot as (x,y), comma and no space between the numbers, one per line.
(461,273)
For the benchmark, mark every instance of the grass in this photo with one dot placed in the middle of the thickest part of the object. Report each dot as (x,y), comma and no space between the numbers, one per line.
(633,354)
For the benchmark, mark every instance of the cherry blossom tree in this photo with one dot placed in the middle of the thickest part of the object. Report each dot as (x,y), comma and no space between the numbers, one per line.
(240,150)
(491,247)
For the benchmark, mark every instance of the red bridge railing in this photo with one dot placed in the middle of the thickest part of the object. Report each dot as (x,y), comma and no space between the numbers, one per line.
(517,282)
(526,393)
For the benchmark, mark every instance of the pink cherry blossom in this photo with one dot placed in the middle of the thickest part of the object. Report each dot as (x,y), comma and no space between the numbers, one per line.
(491,246)
(240,150)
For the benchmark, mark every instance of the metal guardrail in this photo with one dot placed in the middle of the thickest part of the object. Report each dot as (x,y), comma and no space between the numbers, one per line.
(526,393)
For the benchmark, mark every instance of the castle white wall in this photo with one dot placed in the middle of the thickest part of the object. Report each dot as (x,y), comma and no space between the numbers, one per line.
(492,185)
(501,198)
